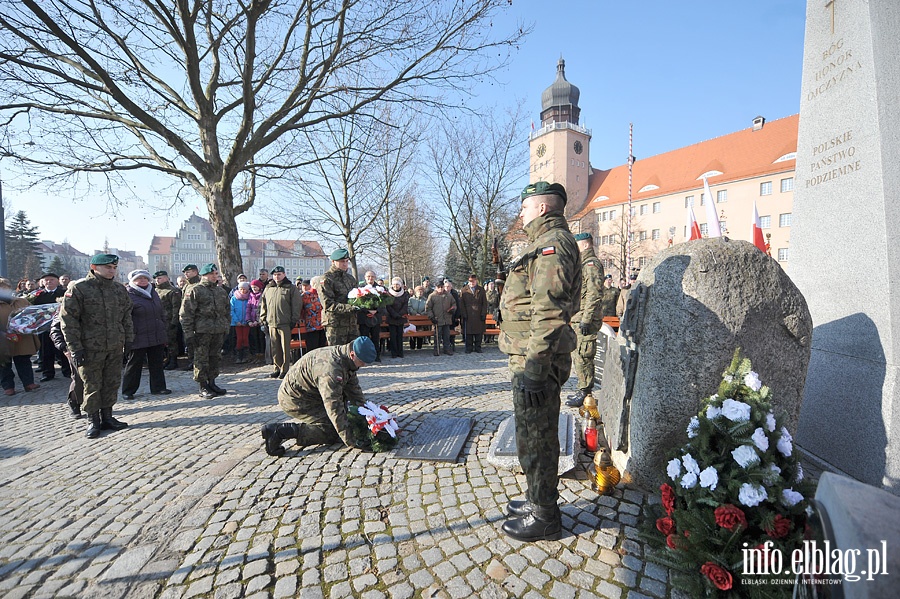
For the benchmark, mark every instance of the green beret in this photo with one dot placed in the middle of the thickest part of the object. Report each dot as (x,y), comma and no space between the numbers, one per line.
(208,268)
(101,259)
(583,236)
(341,254)
(277,269)
(541,188)
(189,267)
(160,273)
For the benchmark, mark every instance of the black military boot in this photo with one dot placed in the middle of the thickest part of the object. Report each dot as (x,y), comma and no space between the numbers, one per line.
(206,392)
(544,522)
(75,408)
(108,423)
(519,508)
(276,434)
(215,388)
(576,400)
(95,426)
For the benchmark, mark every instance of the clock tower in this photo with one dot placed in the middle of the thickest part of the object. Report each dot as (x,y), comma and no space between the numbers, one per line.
(560,149)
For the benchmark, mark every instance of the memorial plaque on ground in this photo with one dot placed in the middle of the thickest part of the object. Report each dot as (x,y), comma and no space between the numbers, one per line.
(503,452)
(437,438)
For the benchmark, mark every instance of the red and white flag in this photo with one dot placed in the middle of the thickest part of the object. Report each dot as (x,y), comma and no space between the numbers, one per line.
(712,219)
(757,230)
(693,227)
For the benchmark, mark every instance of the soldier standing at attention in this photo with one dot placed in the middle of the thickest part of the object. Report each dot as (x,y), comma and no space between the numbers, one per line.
(95,319)
(588,320)
(206,319)
(339,317)
(316,392)
(171,301)
(542,291)
(279,312)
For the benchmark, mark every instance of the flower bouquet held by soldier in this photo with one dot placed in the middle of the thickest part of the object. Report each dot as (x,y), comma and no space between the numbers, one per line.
(96,324)
(206,319)
(543,288)
(370,296)
(316,392)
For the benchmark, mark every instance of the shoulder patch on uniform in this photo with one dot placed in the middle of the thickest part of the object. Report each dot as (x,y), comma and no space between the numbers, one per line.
(549,250)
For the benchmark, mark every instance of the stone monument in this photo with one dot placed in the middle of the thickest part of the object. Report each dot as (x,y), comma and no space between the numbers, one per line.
(700,301)
(845,255)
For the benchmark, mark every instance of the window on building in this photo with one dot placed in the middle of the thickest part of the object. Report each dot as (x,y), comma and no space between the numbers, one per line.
(657,207)
(688,201)
(604,240)
(765,222)
(722,196)
(642,236)
(612,240)
(723,226)
(782,254)
(765,189)
(631,236)
(643,209)
(787,184)
(612,215)
(704,229)
(642,261)
(685,232)
(702,199)
(655,234)
(784,220)
(633,211)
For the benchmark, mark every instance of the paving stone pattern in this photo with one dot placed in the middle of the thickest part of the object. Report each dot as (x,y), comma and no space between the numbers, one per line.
(185,502)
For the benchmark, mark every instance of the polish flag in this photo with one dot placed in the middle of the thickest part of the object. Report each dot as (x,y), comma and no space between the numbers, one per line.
(712,219)
(757,230)
(693,227)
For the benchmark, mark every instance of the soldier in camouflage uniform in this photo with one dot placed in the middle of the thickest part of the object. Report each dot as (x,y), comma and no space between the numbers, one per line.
(610,297)
(339,317)
(95,319)
(542,292)
(191,276)
(206,319)
(316,391)
(171,301)
(588,320)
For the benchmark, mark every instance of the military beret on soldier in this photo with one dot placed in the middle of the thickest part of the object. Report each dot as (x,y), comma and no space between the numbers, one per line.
(102,259)
(189,267)
(541,188)
(277,269)
(340,254)
(208,268)
(160,273)
(583,236)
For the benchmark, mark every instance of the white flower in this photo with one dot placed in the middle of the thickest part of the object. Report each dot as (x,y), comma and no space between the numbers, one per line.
(760,439)
(674,468)
(728,378)
(790,497)
(799,473)
(770,422)
(709,478)
(689,481)
(714,397)
(784,443)
(751,379)
(690,464)
(712,412)
(745,455)
(774,469)
(752,495)
(736,411)
(693,425)
(809,511)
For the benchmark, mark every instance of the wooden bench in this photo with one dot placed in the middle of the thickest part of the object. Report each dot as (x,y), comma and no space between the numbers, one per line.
(299,343)
(612,321)
(423,324)
(491,326)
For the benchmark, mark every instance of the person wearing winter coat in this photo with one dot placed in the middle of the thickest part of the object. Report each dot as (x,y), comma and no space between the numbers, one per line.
(396,316)
(150,337)
(239,322)
(19,348)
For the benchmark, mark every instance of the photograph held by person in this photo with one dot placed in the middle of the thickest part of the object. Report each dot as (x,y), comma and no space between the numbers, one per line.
(150,337)
(339,317)
(542,291)
(474,304)
(279,312)
(96,324)
(206,319)
(51,293)
(316,392)
(16,349)
(396,316)
(170,296)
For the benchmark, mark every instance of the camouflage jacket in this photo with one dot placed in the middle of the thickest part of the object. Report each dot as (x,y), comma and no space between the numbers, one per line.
(170,296)
(325,376)
(590,310)
(610,298)
(336,284)
(96,315)
(541,294)
(205,309)
(280,305)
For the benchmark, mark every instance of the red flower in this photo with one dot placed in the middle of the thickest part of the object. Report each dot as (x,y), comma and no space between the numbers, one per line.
(668,498)
(780,527)
(665,526)
(730,517)
(718,575)
(687,534)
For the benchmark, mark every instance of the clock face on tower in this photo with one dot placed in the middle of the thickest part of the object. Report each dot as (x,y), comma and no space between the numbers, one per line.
(578,147)
(541,150)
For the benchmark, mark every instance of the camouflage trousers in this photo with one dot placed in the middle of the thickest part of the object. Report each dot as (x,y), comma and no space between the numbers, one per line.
(102,375)
(537,430)
(341,334)
(316,427)
(207,355)
(583,358)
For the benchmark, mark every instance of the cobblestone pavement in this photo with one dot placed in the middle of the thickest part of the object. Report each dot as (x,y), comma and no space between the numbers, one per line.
(186,503)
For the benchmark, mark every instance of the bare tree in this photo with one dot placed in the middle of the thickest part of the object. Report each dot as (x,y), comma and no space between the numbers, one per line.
(612,235)
(213,93)
(415,245)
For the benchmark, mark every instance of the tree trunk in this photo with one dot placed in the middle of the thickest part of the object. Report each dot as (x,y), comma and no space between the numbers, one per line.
(220,204)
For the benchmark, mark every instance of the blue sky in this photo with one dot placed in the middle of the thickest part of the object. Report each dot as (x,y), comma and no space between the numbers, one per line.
(681,72)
